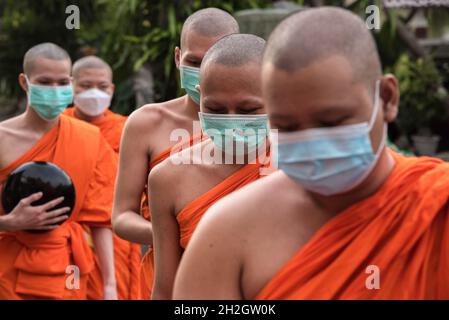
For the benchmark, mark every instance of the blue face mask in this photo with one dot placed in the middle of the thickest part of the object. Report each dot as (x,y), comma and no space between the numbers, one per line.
(330,161)
(49,101)
(190,78)
(235,134)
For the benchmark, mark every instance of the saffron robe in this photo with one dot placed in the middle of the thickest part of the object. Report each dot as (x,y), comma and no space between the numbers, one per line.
(111,126)
(400,235)
(127,255)
(56,264)
(147,264)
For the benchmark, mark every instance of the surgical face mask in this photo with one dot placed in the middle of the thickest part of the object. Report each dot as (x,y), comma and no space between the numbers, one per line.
(235,134)
(331,161)
(92,102)
(190,78)
(49,101)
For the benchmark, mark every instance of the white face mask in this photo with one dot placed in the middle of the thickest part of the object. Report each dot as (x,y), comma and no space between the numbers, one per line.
(92,102)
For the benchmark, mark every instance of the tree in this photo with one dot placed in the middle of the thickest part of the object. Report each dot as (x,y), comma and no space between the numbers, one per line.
(28,22)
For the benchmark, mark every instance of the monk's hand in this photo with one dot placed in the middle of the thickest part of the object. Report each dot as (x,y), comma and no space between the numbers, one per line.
(110,292)
(27,217)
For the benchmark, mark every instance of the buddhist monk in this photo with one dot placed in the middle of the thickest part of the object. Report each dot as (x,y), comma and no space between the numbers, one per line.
(344,217)
(93,91)
(146,138)
(181,192)
(57,263)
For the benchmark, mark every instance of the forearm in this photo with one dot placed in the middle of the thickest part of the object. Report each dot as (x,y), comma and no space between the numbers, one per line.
(133,227)
(5,224)
(167,254)
(159,293)
(104,248)
(166,265)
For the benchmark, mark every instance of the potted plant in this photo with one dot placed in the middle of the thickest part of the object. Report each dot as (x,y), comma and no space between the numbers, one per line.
(422,102)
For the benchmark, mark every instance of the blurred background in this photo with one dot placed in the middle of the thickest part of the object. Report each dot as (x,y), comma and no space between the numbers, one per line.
(138,37)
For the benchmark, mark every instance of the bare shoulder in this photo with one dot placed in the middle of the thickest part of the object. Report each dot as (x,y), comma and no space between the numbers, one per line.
(147,117)
(266,192)
(179,166)
(163,174)
(169,175)
(10,130)
(150,116)
(263,225)
(236,226)
(14,139)
(257,207)
(9,124)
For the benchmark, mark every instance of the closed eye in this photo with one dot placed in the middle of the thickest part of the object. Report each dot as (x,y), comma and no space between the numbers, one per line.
(219,110)
(333,123)
(249,110)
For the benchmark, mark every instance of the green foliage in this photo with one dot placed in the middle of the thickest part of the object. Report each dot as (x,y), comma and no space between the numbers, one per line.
(129,34)
(26,23)
(134,33)
(422,94)
(126,33)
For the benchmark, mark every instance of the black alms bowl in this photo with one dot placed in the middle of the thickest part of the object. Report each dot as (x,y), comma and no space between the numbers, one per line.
(32,177)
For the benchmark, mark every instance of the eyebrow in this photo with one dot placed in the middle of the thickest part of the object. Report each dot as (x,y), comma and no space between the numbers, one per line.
(212,103)
(91,81)
(45,78)
(333,111)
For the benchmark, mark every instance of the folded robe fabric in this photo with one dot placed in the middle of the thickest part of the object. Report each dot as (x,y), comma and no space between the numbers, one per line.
(111,126)
(46,265)
(127,255)
(401,232)
(189,217)
(147,264)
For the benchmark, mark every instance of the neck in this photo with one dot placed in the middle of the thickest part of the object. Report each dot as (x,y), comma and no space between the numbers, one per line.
(82,116)
(191,109)
(34,122)
(337,203)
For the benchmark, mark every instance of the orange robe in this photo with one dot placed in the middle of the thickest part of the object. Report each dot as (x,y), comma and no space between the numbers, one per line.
(40,266)
(127,255)
(111,126)
(399,235)
(147,264)
(189,217)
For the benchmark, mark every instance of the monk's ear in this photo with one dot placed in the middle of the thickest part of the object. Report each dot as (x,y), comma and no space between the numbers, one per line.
(23,82)
(177,57)
(389,95)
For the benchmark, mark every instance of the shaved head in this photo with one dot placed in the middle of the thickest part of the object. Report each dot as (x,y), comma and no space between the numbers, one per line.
(231,76)
(209,22)
(46,50)
(90,62)
(315,34)
(235,50)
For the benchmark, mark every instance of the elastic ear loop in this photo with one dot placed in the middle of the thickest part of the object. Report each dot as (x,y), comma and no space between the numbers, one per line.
(376,105)
(28,92)
(381,145)
(374,116)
